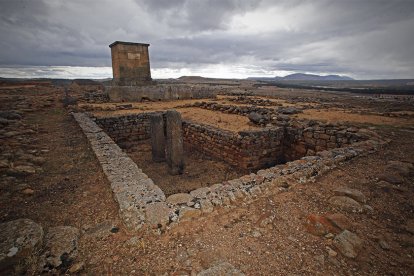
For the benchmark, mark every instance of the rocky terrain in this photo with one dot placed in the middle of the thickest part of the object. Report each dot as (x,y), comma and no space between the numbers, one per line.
(58,214)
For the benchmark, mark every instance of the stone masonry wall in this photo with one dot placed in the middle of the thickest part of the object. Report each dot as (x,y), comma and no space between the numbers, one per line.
(137,195)
(247,150)
(306,138)
(159,92)
(126,129)
(141,202)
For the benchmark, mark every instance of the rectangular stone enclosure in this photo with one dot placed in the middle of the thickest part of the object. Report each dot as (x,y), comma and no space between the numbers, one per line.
(130,63)
(248,150)
(321,146)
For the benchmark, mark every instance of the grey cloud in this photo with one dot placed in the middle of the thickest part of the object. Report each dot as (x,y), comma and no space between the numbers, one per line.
(198,15)
(364,38)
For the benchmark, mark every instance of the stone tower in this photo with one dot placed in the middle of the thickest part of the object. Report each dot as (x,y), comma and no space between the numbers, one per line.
(130,63)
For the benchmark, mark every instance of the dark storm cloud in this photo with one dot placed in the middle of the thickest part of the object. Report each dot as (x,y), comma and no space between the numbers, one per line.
(361,38)
(198,15)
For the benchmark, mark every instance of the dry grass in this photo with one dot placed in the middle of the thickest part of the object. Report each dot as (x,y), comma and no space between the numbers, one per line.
(338,115)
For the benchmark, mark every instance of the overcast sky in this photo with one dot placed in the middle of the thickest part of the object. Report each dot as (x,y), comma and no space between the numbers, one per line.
(217,38)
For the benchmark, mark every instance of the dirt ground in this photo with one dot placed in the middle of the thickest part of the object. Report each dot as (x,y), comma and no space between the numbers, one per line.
(341,115)
(230,122)
(263,236)
(200,171)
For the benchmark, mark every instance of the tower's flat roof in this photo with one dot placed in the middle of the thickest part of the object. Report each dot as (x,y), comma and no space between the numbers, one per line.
(127,43)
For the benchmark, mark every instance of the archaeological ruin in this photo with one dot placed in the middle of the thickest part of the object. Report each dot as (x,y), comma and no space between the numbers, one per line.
(284,149)
(167,163)
(130,63)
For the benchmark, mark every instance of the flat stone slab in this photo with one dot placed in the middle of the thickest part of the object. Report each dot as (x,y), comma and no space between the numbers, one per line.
(348,243)
(181,198)
(352,193)
(345,203)
(222,269)
(19,241)
(158,214)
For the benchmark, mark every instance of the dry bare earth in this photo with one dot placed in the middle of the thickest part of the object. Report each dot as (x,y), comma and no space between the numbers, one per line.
(266,236)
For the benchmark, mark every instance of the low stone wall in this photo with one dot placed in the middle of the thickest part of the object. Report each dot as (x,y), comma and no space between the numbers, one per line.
(126,129)
(306,138)
(250,150)
(135,193)
(247,149)
(263,115)
(95,97)
(159,92)
(141,202)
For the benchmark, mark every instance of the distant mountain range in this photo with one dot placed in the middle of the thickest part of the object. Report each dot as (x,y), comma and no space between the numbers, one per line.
(306,77)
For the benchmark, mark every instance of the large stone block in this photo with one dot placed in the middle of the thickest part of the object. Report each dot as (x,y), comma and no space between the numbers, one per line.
(157,137)
(174,149)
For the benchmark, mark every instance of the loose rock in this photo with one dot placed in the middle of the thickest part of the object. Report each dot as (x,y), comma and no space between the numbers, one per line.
(222,269)
(61,247)
(352,193)
(348,243)
(255,117)
(19,242)
(181,198)
(158,214)
(345,203)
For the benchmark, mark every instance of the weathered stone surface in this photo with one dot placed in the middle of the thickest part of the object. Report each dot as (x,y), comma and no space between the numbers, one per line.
(102,229)
(402,168)
(76,268)
(319,225)
(206,206)
(130,63)
(19,242)
(388,187)
(340,221)
(352,193)
(61,247)
(345,203)
(348,243)
(289,110)
(158,214)
(255,117)
(157,137)
(133,190)
(188,213)
(22,170)
(391,178)
(200,192)
(174,146)
(222,269)
(181,198)
(28,191)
